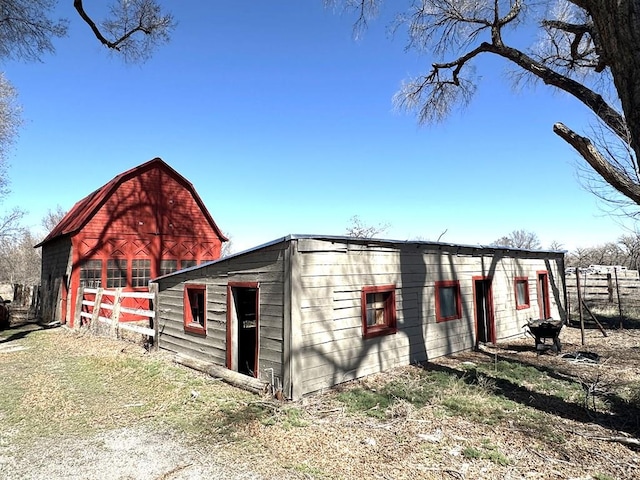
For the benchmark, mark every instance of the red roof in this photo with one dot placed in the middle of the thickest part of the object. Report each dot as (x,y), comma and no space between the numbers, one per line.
(86,208)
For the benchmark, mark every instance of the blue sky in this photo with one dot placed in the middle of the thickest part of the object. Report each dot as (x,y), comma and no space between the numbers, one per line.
(284,124)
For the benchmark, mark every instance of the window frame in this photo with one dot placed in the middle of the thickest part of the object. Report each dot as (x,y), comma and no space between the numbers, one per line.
(136,279)
(191,325)
(164,269)
(116,265)
(93,266)
(527,293)
(390,326)
(458,300)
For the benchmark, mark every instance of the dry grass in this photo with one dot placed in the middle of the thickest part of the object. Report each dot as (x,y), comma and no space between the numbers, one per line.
(506,412)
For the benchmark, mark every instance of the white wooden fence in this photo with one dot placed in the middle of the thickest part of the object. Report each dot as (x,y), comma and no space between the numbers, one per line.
(89,311)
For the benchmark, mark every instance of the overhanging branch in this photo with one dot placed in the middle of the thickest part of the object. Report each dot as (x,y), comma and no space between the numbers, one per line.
(614,177)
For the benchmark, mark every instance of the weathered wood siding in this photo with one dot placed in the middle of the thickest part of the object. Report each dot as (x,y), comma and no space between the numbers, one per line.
(56,263)
(266,267)
(331,276)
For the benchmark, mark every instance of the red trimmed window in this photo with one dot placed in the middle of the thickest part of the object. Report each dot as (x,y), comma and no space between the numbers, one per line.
(378,310)
(522,293)
(448,300)
(195,309)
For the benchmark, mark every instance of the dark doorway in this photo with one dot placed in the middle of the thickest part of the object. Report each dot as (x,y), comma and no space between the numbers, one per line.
(483,303)
(243,333)
(543,295)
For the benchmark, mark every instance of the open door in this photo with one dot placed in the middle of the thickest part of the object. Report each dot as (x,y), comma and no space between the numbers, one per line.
(243,333)
(483,303)
(543,295)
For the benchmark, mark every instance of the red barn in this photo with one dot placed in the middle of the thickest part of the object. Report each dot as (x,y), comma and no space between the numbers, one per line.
(146,222)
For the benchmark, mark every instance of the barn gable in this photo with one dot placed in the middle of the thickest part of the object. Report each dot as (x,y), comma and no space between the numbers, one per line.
(145,222)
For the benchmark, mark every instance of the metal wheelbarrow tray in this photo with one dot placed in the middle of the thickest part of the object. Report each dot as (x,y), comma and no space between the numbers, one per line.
(546,329)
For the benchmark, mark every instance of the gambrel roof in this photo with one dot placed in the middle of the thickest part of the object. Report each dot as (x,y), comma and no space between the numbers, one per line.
(85,209)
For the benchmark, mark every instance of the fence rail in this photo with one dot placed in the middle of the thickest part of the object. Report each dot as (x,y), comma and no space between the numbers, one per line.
(98,306)
(619,290)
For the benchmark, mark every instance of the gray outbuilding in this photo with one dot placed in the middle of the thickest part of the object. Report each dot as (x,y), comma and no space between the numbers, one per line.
(307,312)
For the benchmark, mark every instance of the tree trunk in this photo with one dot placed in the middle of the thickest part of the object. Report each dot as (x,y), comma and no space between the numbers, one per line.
(617,23)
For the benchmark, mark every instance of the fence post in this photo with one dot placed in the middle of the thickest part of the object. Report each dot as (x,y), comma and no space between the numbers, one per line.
(115,314)
(77,320)
(610,287)
(615,272)
(96,310)
(153,305)
(580,307)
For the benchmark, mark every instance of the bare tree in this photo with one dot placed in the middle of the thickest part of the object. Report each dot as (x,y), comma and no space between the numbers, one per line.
(52,218)
(588,49)
(358,229)
(134,28)
(19,262)
(519,239)
(556,246)
(10,121)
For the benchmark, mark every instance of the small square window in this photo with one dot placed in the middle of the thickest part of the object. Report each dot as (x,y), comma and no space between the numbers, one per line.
(116,273)
(522,293)
(378,310)
(448,301)
(195,311)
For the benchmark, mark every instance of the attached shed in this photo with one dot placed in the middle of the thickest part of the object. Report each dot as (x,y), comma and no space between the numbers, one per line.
(311,312)
(144,223)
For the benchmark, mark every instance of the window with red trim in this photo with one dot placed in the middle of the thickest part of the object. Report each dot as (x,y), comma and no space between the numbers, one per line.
(448,300)
(195,309)
(522,293)
(378,310)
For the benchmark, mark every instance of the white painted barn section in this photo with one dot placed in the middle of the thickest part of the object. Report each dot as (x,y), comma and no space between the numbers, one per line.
(310,295)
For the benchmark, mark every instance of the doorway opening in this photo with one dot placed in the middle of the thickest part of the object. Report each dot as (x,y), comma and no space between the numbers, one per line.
(543,295)
(483,302)
(243,328)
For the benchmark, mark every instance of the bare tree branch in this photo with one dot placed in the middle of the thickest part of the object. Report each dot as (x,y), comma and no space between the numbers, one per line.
(135,27)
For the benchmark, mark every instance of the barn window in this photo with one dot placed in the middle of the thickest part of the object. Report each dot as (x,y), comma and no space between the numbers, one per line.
(168,266)
(378,310)
(448,300)
(187,263)
(140,272)
(522,293)
(91,274)
(195,312)
(116,273)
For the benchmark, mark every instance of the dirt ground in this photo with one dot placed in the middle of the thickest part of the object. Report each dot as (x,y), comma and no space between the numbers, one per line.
(410,443)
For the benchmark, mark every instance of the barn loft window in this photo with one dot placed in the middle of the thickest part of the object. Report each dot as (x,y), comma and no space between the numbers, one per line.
(195,312)
(187,263)
(168,266)
(378,310)
(116,273)
(522,293)
(448,300)
(140,272)
(91,274)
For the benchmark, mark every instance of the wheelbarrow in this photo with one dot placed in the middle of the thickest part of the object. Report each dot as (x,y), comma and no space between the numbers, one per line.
(546,329)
